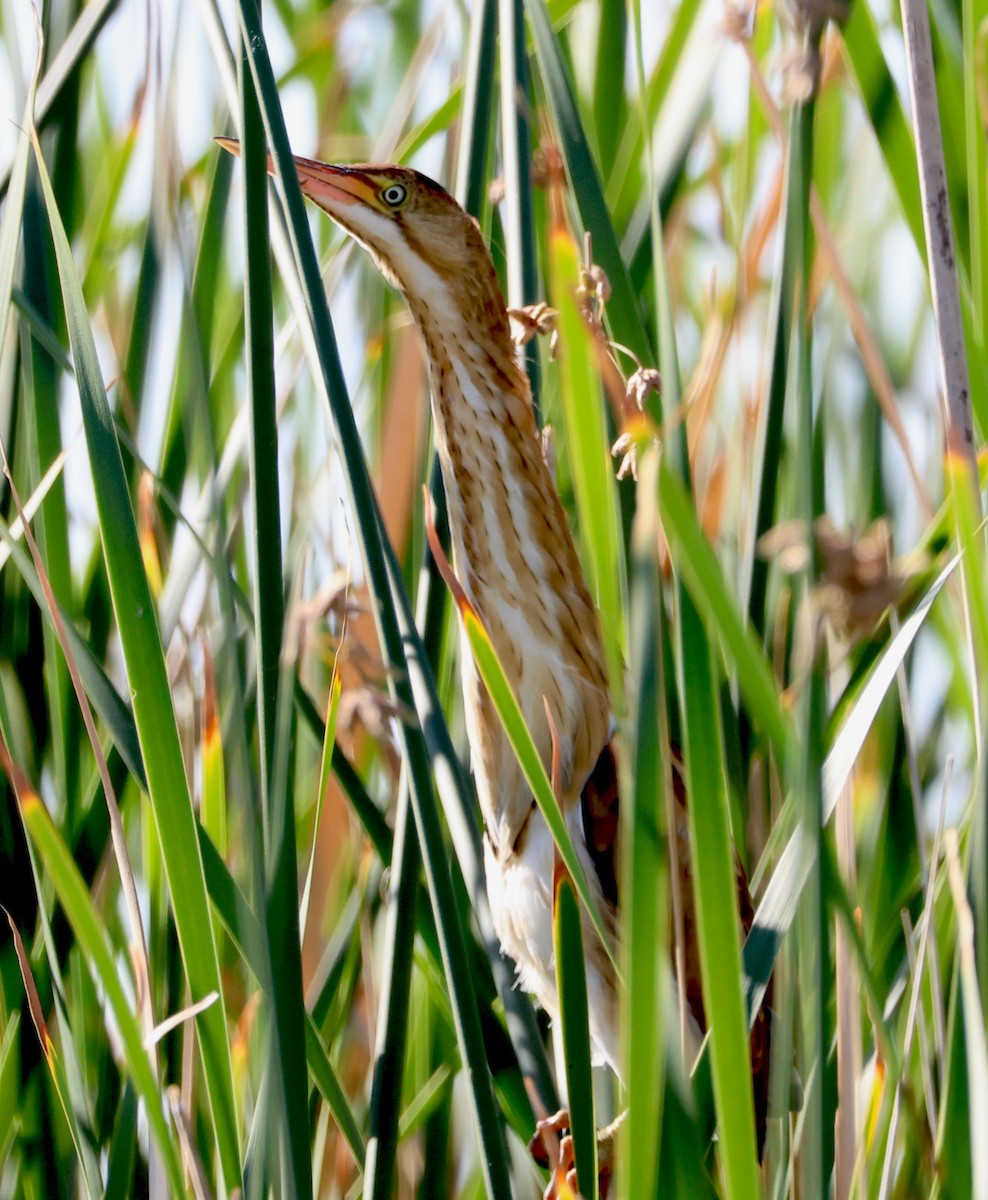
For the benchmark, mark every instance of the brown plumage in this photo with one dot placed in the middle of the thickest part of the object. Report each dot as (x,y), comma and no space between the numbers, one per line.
(515,559)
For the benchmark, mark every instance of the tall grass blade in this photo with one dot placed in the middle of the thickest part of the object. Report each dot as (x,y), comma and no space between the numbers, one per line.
(589,455)
(623,312)
(644,871)
(155,719)
(718,922)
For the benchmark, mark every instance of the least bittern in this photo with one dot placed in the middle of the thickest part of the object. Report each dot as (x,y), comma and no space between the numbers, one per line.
(517,563)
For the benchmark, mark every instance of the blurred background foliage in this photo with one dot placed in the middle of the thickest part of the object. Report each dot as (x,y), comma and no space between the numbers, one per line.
(767,570)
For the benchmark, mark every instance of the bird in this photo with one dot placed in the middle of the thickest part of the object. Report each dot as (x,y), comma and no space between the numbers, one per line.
(515,559)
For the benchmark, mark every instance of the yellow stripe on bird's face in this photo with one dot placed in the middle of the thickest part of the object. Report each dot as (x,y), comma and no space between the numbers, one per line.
(367,201)
(421,239)
(385,189)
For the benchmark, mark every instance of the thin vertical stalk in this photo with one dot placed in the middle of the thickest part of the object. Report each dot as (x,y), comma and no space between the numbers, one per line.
(958,418)
(475,116)
(814,1162)
(519,230)
(287,1045)
(940,251)
(644,874)
(392,1013)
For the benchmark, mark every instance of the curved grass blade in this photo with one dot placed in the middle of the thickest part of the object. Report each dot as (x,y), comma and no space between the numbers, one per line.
(69,58)
(777,909)
(701,572)
(161,751)
(858,720)
(241,923)
(87,1162)
(94,941)
(508,709)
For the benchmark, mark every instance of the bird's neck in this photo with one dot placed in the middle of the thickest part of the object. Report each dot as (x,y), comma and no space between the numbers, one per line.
(497,484)
(515,558)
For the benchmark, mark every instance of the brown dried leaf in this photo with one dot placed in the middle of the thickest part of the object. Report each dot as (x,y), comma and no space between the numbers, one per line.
(857,579)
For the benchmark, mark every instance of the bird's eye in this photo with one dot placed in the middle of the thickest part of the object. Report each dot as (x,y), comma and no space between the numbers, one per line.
(394,195)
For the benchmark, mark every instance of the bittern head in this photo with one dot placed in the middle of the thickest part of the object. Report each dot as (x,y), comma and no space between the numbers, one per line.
(421,239)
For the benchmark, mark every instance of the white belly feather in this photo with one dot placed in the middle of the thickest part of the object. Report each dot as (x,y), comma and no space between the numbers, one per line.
(520,893)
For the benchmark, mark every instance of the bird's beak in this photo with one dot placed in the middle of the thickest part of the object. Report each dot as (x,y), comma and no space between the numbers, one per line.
(328,186)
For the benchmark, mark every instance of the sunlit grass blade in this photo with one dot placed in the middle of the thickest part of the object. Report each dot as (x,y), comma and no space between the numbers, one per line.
(974,1029)
(80,1139)
(155,719)
(589,454)
(567,941)
(703,577)
(243,926)
(66,62)
(325,766)
(718,922)
(858,718)
(522,743)
(92,936)
(623,313)
(644,871)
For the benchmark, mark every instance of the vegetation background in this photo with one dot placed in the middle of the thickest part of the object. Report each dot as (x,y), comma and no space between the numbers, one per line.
(248,945)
